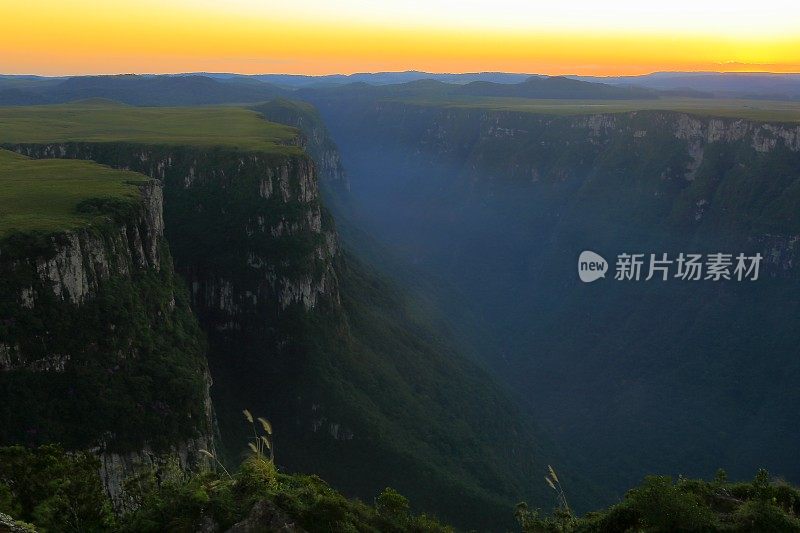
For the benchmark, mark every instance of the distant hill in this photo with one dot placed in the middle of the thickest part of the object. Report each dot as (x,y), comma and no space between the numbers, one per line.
(218,88)
(554,87)
(137,90)
(377,78)
(739,84)
(16,96)
(164,90)
(533,87)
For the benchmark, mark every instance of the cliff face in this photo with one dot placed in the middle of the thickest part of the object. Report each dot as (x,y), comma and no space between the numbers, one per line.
(78,262)
(73,265)
(316,138)
(250,238)
(91,319)
(217,198)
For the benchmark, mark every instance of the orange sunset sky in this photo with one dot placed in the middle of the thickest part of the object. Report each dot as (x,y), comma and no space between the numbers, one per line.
(323,37)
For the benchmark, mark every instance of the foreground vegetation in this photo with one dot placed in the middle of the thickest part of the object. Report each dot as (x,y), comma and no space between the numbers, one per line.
(661,504)
(56,491)
(46,489)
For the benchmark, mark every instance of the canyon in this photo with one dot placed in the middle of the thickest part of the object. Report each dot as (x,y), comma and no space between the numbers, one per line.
(497,205)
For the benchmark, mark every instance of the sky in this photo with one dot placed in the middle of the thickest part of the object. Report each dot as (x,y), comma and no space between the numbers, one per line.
(596,37)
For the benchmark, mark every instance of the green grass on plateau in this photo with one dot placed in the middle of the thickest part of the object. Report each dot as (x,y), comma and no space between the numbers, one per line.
(43,194)
(98,121)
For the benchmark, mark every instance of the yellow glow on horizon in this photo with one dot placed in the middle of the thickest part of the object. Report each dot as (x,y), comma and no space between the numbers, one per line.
(315,37)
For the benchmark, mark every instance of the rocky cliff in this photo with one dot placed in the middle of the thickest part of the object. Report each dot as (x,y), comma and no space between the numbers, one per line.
(262,201)
(250,238)
(315,136)
(99,349)
(71,266)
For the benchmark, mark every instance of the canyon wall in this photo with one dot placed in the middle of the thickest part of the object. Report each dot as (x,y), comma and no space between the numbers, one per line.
(256,250)
(91,320)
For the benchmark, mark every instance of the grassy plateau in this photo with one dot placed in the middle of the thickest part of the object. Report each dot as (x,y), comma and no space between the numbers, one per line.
(106,121)
(44,194)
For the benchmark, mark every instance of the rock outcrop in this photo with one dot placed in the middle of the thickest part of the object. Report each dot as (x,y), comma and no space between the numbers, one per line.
(265,516)
(9,525)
